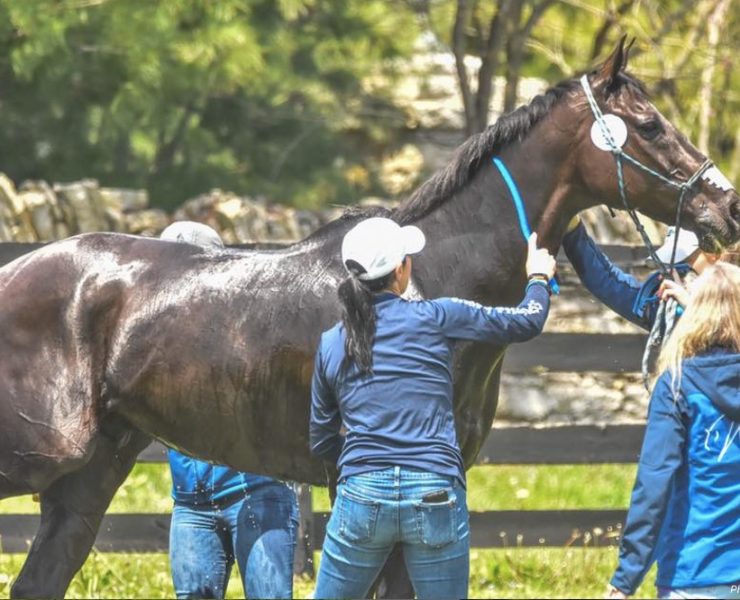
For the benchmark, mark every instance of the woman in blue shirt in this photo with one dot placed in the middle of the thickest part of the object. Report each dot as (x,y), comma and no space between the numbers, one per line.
(222,515)
(384,375)
(685,507)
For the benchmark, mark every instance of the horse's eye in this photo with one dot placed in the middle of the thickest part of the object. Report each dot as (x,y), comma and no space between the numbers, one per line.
(650,129)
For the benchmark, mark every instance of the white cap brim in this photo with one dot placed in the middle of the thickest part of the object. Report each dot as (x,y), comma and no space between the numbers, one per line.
(414,239)
(687,245)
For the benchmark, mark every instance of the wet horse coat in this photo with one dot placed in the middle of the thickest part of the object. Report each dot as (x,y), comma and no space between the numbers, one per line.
(109,339)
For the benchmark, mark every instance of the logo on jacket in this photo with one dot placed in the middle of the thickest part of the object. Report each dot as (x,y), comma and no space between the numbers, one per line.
(713,437)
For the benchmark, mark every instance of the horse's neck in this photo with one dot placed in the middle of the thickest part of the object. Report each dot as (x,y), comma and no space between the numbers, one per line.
(475,246)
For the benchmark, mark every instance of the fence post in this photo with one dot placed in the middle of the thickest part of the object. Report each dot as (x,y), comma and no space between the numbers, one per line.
(303,561)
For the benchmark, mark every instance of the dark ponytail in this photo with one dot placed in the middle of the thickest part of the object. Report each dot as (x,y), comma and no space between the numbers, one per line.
(358,318)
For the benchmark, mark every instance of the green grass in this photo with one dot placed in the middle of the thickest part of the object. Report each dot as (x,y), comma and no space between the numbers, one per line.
(512,573)
(576,572)
(539,487)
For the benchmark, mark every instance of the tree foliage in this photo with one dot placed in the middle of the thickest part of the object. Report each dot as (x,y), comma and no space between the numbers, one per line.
(183,95)
(686,52)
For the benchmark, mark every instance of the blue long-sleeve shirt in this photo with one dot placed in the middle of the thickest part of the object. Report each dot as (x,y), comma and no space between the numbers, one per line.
(685,507)
(402,414)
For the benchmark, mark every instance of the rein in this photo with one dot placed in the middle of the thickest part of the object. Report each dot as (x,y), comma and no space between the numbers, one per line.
(666,316)
(619,156)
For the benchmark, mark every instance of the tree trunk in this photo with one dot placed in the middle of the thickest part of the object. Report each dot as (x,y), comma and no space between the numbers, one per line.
(516,45)
(459,47)
(612,18)
(515,57)
(497,34)
(714,28)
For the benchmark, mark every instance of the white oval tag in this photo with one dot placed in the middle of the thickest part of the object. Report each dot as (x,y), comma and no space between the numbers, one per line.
(617,129)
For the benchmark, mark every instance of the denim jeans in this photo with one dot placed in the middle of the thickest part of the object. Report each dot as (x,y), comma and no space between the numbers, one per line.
(258,530)
(376,510)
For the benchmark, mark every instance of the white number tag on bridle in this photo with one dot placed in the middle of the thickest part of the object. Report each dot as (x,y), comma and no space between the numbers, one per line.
(714,176)
(617,129)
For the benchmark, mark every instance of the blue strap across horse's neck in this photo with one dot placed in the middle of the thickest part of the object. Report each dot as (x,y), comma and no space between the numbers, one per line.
(516,198)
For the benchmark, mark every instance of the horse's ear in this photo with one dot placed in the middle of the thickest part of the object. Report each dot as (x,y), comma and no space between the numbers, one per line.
(626,57)
(616,62)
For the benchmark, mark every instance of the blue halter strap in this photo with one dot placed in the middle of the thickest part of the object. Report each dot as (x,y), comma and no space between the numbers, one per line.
(516,198)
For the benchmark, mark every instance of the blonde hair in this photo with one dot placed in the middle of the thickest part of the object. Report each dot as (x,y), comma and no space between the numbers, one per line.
(712,318)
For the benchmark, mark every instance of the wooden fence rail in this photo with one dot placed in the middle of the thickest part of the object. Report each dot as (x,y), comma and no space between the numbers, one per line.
(573,444)
(506,445)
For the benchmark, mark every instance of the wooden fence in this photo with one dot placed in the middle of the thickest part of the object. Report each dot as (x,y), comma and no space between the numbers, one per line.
(509,445)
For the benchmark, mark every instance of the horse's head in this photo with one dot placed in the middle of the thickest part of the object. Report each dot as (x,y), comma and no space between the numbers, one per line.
(711,206)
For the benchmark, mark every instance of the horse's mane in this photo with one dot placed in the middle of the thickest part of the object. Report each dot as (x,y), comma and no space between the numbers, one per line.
(470,155)
(479,148)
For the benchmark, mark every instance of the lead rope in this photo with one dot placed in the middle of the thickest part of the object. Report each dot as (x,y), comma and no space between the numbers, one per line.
(665,318)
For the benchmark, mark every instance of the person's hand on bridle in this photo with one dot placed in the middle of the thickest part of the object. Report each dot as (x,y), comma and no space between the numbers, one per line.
(671,289)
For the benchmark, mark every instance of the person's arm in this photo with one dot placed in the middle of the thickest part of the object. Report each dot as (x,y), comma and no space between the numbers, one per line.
(612,286)
(466,320)
(661,456)
(326,421)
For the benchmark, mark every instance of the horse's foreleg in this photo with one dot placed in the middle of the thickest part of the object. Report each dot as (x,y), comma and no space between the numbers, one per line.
(71,511)
(393,580)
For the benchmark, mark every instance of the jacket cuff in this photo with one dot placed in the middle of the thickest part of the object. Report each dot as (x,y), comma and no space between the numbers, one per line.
(540,282)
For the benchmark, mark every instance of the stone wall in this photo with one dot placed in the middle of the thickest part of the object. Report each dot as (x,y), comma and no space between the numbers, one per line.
(40,212)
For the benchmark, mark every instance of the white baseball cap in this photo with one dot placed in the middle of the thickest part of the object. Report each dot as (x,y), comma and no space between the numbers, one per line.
(378,245)
(688,243)
(192,232)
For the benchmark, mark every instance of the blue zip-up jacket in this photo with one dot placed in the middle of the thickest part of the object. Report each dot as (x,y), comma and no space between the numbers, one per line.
(637,302)
(685,507)
(402,414)
(198,483)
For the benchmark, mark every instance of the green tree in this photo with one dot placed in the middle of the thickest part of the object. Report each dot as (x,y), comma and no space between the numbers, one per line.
(180,96)
(686,52)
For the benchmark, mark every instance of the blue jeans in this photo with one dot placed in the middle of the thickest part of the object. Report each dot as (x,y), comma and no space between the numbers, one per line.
(258,530)
(376,510)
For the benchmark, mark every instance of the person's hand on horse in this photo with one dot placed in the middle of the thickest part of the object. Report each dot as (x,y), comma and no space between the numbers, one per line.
(539,260)
(672,289)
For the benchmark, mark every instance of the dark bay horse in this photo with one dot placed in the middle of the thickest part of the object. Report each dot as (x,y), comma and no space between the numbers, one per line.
(107,340)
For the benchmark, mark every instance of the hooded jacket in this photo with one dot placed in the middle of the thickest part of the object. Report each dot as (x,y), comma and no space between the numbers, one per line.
(685,507)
